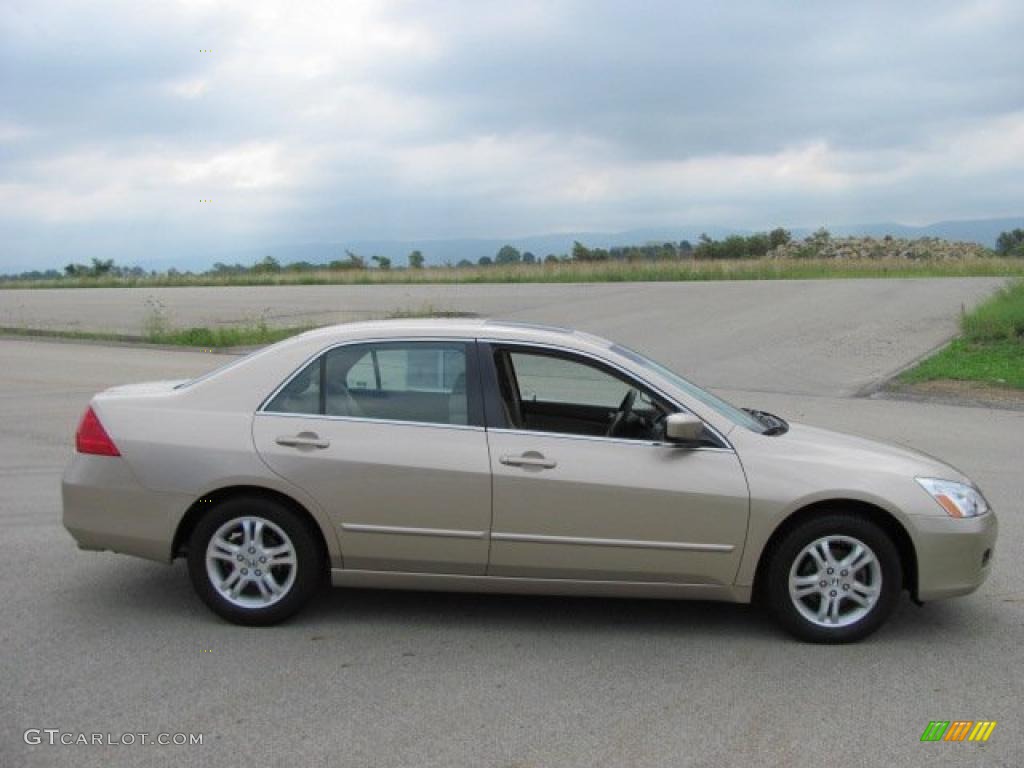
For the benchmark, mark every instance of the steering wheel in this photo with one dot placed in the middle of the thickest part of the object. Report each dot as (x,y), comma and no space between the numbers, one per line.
(622,414)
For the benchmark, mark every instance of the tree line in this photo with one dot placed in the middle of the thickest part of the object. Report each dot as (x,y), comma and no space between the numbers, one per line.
(757,245)
(1011,243)
(732,247)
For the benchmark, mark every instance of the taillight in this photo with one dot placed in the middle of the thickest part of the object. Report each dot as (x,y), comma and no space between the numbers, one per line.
(91,437)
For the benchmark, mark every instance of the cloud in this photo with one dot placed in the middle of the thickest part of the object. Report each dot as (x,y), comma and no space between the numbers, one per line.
(10,132)
(443,119)
(191,88)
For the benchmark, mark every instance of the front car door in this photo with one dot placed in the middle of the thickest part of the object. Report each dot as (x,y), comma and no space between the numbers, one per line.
(581,493)
(388,437)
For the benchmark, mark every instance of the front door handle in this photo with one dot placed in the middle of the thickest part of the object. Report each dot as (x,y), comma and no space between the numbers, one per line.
(303,440)
(529,459)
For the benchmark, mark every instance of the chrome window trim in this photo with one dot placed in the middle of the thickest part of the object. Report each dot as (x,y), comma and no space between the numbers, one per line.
(727,446)
(400,530)
(262,409)
(600,438)
(628,543)
(369,420)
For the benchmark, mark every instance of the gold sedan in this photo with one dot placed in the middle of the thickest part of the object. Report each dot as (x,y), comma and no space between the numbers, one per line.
(488,456)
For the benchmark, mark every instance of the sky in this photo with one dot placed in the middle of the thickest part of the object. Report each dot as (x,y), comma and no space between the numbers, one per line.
(140,131)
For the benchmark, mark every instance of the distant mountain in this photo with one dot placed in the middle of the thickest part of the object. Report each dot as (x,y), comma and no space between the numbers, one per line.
(981,231)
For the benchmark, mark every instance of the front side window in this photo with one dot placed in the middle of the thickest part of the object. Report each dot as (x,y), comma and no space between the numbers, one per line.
(558,380)
(558,393)
(395,381)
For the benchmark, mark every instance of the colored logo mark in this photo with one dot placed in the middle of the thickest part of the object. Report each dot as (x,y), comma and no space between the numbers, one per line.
(958,730)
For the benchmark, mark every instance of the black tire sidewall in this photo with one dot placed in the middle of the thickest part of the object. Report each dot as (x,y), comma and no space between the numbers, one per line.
(308,553)
(838,524)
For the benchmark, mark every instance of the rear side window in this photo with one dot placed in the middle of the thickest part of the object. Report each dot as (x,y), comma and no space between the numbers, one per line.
(408,369)
(301,394)
(415,381)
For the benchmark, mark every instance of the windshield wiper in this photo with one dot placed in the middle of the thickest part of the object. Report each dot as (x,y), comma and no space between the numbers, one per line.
(772,423)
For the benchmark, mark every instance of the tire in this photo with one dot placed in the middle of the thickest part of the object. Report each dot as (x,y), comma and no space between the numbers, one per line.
(254,561)
(815,598)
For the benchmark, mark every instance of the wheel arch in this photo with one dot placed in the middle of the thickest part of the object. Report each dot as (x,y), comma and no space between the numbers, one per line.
(883,518)
(213,498)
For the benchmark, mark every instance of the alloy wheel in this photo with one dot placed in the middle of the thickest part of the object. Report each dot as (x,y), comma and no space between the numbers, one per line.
(251,562)
(835,581)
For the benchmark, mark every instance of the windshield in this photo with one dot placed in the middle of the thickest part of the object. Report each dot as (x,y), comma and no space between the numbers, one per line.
(729,411)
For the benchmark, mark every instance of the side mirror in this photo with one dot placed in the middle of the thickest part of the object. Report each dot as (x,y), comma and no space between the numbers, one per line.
(683,428)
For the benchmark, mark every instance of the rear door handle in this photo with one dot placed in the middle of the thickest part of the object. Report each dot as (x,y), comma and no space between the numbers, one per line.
(303,440)
(529,459)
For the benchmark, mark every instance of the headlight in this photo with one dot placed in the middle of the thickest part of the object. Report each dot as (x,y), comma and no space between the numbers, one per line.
(957,499)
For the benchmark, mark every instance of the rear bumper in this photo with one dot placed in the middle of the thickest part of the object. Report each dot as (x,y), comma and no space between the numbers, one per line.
(105,508)
(954,557)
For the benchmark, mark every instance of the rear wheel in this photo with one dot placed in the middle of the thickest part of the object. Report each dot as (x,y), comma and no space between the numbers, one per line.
(254,561)
(834,579)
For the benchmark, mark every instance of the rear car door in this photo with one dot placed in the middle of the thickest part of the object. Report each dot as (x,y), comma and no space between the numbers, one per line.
(388,437)
(573,502)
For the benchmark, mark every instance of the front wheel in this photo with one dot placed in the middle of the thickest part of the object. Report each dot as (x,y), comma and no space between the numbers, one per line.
(834,579)
(254,561)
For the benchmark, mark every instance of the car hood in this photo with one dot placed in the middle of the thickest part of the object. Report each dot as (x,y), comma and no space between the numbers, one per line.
(827,446)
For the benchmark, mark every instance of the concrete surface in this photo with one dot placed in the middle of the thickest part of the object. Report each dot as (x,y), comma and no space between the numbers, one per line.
(105,643)
(811,336)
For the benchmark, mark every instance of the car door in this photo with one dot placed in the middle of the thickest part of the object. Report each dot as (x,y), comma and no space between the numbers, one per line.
(571,502)
(387,436)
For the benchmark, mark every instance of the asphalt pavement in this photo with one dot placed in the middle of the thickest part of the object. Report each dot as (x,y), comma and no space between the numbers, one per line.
(813,337)
(105,643)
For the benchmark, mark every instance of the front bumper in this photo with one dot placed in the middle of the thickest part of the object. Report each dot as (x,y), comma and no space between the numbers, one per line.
(954,556)
(105,508)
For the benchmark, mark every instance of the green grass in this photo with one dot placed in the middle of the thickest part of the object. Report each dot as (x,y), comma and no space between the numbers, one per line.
(1001,318)
(990,349)
(578,272)
(46,333)
(224,336)
(999,363)
(200,337)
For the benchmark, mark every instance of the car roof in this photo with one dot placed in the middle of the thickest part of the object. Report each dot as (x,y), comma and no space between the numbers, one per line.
(459,327)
